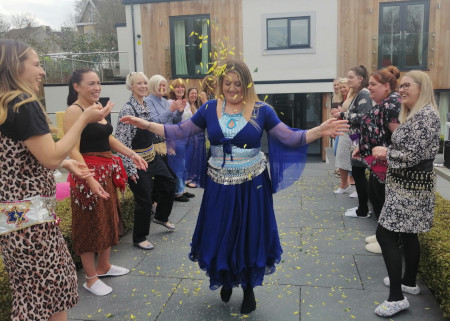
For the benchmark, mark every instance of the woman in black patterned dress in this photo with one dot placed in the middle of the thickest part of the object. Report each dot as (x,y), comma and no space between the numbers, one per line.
(410,188)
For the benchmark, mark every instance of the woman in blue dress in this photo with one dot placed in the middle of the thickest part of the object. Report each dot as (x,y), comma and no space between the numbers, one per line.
(236,237)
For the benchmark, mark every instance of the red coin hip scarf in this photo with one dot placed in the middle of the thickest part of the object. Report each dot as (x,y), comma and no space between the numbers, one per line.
(105,166)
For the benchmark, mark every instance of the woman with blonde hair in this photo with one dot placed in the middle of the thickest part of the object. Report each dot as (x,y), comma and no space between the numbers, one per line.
(410,188)
(157,176)
(343,156)
(41,272)
(236,237)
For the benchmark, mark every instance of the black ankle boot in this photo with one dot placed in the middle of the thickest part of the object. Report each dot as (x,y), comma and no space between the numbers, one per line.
(225,294)
(249,302)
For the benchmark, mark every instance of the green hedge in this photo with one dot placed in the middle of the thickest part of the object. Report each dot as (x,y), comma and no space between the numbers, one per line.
(435,255)
(64,212)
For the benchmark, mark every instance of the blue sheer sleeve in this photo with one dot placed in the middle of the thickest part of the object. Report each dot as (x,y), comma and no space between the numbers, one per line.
(192,137)
(287,153)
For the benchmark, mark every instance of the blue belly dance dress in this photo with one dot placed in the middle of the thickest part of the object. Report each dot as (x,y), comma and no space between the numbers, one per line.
(236,237)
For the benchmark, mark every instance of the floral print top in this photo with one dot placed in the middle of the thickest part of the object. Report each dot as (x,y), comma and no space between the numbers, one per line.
(375,132)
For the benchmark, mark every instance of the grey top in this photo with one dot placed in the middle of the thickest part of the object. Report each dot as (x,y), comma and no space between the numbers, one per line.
(160,110)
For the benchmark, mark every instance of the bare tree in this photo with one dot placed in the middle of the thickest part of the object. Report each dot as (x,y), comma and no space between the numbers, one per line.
(4,25)
(23,20)
(111,12)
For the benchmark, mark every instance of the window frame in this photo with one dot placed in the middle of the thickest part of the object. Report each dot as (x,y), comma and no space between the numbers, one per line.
(192,73)
(403,5)
(289,32)
(299,49)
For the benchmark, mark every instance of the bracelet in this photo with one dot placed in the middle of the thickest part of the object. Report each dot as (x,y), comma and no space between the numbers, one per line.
(149,124)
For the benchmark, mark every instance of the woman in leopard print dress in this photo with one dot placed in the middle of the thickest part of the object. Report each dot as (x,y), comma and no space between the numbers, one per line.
(42,275)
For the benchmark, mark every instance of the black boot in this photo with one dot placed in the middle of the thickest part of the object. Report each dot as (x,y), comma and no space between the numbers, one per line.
(248,303)
(225,294)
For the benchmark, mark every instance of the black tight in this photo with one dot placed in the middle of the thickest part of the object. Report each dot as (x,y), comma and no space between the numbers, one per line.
(359,175)
(393,259)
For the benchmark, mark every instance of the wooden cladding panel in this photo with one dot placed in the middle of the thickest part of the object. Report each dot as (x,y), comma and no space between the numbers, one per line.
(225,26)
(358,38)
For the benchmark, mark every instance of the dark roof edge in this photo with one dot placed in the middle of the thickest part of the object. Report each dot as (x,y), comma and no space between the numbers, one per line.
(125,2)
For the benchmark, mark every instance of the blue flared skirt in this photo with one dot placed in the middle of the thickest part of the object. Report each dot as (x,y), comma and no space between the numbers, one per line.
(236,237)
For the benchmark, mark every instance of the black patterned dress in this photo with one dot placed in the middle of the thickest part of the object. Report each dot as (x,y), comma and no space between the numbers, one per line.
(410,182)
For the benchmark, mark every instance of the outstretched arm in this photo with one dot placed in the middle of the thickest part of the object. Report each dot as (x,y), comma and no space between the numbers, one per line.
(156,128)
(329,127)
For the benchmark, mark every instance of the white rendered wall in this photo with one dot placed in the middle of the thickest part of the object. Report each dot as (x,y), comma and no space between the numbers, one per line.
(319,63)
(126,44)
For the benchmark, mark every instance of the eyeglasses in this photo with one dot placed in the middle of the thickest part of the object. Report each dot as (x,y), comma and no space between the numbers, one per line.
(406,85)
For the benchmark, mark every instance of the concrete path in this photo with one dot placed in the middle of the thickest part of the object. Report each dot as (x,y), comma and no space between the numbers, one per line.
(325,273)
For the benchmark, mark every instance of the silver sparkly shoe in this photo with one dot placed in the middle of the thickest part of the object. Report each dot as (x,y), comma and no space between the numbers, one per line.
(387,309)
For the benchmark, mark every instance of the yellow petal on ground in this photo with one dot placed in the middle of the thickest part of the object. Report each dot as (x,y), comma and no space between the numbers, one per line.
(249,85)
(245,145)
(192,33)
(265,98)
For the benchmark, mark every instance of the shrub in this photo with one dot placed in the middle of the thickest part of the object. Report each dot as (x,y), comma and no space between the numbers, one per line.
(64,212)
(435,255)
(5,296)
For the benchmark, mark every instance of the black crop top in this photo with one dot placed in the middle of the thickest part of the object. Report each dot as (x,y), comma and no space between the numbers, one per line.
(95,137)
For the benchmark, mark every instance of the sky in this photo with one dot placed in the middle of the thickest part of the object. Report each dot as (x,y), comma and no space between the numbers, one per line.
(51,13)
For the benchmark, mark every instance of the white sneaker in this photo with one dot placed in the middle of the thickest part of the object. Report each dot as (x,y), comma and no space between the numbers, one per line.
(342,190)
(352,209)
(374,248)
(371,239)
(387,309)
(353,195)
(353,214)
(98,288)
(415,290)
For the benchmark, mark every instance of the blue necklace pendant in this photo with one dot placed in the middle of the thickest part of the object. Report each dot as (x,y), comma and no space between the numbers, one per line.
(231,124)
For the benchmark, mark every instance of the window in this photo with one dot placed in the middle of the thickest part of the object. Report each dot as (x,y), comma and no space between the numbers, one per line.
(287,33)
(403,34)
(190,46)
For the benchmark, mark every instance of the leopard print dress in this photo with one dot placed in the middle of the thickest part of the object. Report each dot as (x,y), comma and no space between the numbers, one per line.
(42,275)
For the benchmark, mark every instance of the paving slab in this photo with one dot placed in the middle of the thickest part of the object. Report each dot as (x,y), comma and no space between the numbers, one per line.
(324,274)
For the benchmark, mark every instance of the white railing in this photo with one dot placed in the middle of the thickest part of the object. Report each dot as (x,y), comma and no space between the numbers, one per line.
(110,66)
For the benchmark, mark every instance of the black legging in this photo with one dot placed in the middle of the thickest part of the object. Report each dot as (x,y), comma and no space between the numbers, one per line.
(359,175)
(393,259)
(376,193)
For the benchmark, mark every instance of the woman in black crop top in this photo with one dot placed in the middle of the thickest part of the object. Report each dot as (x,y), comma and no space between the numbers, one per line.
(95,205)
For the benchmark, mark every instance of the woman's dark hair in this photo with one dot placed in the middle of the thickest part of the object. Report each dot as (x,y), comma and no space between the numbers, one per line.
(76,78)
(361,71)
(386,75)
